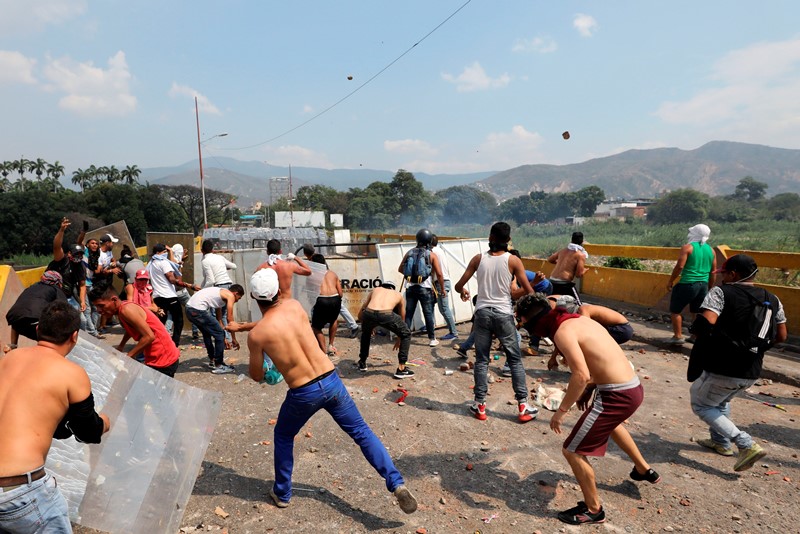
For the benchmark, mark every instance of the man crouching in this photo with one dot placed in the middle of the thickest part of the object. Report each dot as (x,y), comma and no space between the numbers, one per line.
(42,396)
(596,361)
(285,334)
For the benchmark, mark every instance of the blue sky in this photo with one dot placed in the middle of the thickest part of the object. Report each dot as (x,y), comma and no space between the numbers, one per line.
(113,83)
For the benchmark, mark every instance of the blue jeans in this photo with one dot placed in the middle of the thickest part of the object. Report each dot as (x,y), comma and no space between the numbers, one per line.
(465,346)
(213,334)
(34,507)
(488,321)
(331,395)
(86,323)
(424,296)
(348,317)
(444,309)
(711,396)
(224,312)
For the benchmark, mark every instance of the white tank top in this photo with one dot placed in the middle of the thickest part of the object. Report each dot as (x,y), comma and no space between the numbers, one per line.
(494,283)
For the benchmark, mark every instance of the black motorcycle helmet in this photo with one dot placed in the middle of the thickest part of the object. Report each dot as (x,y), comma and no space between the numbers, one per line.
(424,238)
(75,251)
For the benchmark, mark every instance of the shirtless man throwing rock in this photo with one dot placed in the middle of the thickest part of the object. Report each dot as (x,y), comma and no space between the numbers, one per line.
(285,269)
(384,307)
(284,333)
(597,362)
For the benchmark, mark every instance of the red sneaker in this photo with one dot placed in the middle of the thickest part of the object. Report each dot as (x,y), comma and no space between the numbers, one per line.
(479,409)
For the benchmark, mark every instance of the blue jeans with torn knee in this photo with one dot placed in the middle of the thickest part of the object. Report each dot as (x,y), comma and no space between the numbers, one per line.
(331,395)
(711,396)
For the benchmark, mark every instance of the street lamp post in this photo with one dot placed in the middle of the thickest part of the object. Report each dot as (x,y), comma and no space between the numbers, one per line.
(200,160)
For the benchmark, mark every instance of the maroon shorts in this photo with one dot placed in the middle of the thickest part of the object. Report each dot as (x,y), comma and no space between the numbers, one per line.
(613,404)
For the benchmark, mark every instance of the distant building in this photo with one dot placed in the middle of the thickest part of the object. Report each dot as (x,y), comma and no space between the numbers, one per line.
(622,209)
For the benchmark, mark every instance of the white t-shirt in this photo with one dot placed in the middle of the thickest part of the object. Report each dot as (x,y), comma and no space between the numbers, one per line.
(215,270)
(207,298)
(158,279)
(442,262)
(105,258)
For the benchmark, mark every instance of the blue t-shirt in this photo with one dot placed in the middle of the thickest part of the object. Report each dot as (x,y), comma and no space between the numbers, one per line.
(542,287)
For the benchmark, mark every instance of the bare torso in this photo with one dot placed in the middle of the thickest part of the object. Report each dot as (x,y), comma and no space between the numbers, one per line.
(382,299)
(285,334)
(604,359)
(37,385)
(569,264)
(330,285)
(601,314)
(285,272)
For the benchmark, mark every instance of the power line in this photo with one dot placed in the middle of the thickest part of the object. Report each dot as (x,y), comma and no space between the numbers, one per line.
(357,89)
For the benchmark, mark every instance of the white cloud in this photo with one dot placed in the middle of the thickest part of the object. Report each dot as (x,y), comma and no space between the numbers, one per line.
(410,146)
(541,45)
(752,96)
(474,78)
(16,68)
(307,109)
(585,24)
(34,15)
(92,90)
(500,150)
(296,155)
(203,103)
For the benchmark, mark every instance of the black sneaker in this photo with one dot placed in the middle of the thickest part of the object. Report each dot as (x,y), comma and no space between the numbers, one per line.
(362,366)
(461,352)
(651,476)
(354,332)
(405,373)
(580,514)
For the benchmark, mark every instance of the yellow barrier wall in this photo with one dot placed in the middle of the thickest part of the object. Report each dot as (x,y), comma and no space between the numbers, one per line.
(625,251)
(28,277)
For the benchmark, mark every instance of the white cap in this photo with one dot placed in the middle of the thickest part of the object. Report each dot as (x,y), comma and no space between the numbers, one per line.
(264,284)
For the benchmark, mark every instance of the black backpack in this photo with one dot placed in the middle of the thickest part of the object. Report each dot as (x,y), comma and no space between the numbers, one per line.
(754,332)
(417,267)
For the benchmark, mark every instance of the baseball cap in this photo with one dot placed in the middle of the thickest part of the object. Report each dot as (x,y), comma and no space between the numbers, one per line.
(52,278)
(264,284)
(741,264)
(142,273)
(105,238)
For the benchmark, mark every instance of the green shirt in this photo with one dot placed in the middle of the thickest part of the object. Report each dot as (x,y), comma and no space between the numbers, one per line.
(698,264)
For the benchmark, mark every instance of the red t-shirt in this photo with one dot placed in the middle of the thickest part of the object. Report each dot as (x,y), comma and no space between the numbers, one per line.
(162,352)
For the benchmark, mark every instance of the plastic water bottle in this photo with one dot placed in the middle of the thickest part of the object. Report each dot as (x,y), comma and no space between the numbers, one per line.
(271,374)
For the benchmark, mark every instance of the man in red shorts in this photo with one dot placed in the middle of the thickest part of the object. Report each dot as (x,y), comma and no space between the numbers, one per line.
(597,362)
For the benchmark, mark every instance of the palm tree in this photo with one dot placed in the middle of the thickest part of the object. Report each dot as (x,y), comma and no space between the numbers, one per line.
(5,185)
(102,172)
(5,169)
(80,178)
(91,178)
(39,167)
(113,175)
(56,170)
(130,174)
(21,166)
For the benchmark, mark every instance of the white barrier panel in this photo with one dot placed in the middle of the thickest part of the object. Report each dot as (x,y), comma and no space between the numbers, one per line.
(458,253)
(139,479)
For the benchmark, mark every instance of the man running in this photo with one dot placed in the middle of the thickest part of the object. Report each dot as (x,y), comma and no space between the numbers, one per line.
(596,361)
(42,396)
(284,333)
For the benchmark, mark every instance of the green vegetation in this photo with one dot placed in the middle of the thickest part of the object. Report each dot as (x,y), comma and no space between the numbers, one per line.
(618,262)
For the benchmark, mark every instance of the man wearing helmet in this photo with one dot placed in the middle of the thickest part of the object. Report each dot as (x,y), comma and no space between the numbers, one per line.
(69,265)
(422,291)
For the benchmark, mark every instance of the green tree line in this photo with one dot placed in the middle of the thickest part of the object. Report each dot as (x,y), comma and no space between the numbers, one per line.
(405,202)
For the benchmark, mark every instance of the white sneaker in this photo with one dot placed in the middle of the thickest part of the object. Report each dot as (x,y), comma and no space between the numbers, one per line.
(223,369)
(547,341)
(433,342)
